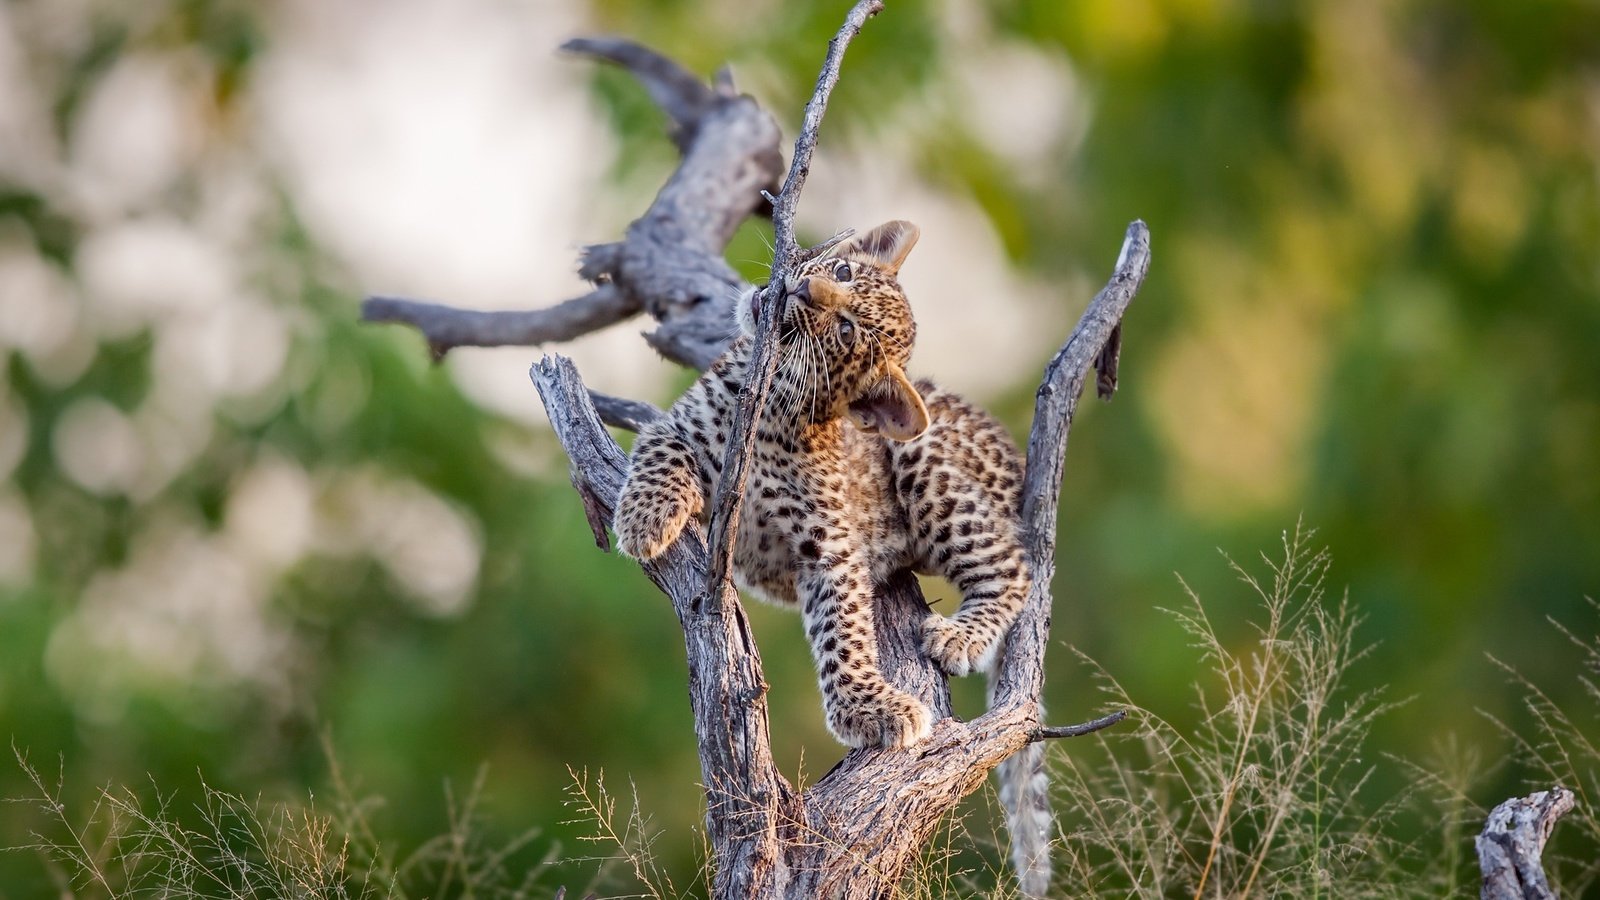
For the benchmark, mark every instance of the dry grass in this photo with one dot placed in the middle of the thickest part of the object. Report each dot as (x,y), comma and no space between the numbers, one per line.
(1264,796)
(629,839)
(630,868)
(130,846)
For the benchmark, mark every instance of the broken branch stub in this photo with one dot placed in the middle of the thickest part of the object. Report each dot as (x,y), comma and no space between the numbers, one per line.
(1512,843)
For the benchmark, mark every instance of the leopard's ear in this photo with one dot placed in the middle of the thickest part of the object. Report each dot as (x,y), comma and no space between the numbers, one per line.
(892,408)
(888,245)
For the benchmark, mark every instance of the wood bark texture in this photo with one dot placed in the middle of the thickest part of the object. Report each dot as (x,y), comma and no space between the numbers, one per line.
(855,831)
(1512,842)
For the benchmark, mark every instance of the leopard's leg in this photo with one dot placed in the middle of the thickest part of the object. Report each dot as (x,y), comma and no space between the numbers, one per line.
(664,490)
(863,709)
(979,553)
(966,532)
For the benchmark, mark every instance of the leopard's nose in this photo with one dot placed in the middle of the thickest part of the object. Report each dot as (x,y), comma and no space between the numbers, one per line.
(800,290)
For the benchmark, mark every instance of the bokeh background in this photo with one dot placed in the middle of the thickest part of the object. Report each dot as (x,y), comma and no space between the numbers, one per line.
(245,540)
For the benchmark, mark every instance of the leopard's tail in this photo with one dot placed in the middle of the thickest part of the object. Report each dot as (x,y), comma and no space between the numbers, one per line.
(1025,797)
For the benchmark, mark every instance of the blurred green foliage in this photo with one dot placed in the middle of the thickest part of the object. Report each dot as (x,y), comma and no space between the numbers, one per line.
(1375,305)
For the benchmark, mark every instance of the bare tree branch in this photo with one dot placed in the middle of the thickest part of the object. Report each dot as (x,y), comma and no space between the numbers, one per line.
(447,327)
(620,412)
(1079,730)
(726,687)
(1020,673)
(676,90)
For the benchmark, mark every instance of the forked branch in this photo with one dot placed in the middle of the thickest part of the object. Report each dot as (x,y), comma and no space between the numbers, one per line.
(845,833)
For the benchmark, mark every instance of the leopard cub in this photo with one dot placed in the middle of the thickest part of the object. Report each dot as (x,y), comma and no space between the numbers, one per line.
(857,473)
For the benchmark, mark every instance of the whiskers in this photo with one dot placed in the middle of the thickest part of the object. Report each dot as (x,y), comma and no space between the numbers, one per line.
(788,385)
(766,242)
(804,376)
(811,352)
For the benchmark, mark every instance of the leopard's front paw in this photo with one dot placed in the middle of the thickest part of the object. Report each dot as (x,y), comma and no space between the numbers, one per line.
(958,646)
(892,718)
(645,529)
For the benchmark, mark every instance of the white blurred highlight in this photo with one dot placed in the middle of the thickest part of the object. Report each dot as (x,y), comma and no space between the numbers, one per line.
(195,607)
(183,610)
(270,515)
(41,309)
(228,350)
(426,545)
(1022,103)
(444,150)
(116,168)
(144,272)
(18,542)
(97,446)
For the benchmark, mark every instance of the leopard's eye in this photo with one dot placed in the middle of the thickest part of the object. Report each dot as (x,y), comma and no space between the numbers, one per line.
(841,272)
(847,329)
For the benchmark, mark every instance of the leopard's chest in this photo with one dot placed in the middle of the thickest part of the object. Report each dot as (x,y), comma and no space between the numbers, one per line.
(780,506)
(795,497)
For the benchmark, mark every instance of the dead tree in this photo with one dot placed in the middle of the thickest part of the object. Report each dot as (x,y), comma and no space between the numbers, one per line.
(854,832)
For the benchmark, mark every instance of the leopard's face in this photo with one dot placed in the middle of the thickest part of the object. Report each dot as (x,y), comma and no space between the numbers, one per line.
(845,334)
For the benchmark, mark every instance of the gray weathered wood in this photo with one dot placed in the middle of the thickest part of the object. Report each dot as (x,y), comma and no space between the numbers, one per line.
(448,327)
(1021,670)
(727,691)
(1512,842)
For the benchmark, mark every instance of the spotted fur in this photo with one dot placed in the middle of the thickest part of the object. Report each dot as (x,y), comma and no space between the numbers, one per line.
(857,473)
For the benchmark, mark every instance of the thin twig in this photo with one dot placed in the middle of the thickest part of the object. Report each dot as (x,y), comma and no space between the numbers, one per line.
(1079,730)
(811,253)
(783,206)
(763,360)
